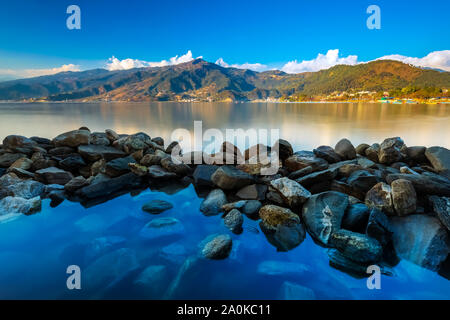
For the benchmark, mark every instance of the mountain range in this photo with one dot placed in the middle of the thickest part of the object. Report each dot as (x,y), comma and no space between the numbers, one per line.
(202,80)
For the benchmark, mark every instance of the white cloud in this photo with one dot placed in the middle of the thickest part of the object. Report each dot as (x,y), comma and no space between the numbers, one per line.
(29,73)
(125,64)
(321,62)
(250,66)
(435,59)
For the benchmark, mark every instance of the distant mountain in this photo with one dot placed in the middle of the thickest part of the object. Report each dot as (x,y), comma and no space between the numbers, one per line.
(202,80)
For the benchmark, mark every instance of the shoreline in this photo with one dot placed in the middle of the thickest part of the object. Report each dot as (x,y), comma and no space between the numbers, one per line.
(369,204)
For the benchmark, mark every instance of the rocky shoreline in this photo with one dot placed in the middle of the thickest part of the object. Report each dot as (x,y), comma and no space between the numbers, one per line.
(370,204)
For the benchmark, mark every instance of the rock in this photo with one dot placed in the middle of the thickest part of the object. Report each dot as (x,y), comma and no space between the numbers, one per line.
(138,170)
(119,166)
(157,172)
(439,158)
(251,208)
(282,268)
(303,159)
(345,149)
(356,246)
(162,228)
(61,152)
(138,155)
(259,151)
(290,191)
(441,207)
(213,203)
(416,154)
(327,153)
(378,227)
(105,187)
(317,177)
(150,160)
(362,180)
(347,169)
(17,205)
(366,163)
(152,281)
(53,175)
(372,152)
(19,144)
(7,159)
(72,163)
(218,248)
(228,177)
(22,163)
(294,291)
(175,147)
(26,189)
(323,214)
(99,138)
(390,150)
(175,166)
(361,149)
(234,220)
(21,173)
(404,197)
(300,173)
(356,217)
(283,148)
(420,239)
(132,143)
(75,184)
(157,206)
(97,167)
(234,205)
(159,141)
(407,170)
(57,197)
(111,135)
(72,138)
(93,152)
(202,175)
(253,192)
(282,227)
(380,197)
(423,184)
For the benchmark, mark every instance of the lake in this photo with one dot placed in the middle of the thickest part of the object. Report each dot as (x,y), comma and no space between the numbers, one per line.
(105,240)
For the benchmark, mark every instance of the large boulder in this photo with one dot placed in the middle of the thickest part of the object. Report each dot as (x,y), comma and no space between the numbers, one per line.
(27,189)
(105,187)
(439,158)
(292,193)
(19,144)
(420,239)
(345,149)
(378,227)
(391,150)
(7,159)
(17,205)
(218,247)
(228,177)
(73,162)
(404,197)
(282,227)
(284,149)
(303,159)
(357,247)
(317,177)
(356,217)
(53,175)
(202,175)
(96,152)
(119,166)
(213,203)
(73,138)
(380,197)
(441,207)
(432,184)
(323,214)
(416,154)
(327,153)
(362,180)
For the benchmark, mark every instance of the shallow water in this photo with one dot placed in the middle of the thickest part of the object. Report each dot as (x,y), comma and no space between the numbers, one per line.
(106,243)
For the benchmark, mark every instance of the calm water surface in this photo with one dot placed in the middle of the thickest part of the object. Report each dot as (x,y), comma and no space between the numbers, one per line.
(106,243)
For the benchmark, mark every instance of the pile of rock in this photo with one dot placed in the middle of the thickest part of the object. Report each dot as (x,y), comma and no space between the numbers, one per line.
(367,204)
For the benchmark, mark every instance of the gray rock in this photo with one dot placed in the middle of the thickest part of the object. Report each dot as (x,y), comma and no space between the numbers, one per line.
(19,144)
(228,177)
(323,214)
(234,220)
(317,177)
(152,281)
(156,206)
(294,291)
(150,160)
(439,158)
(17,205)
(366,163)
(362,180)
(99,138)
(253,192)
(416,154)
(202,175)
(93,152)
(175,166)
(292,193)
(404,197)
(213,203)
(420,239)
(390,150)
(327,153)
(73,162)
(7,159)
(218,248)
(72,138)
(53,175)
(380,197)
(300,173)
(284,149)
(75,184)
(372,152)
(378,227)
(159,173)
(345,149)
(119,166)
(357,247)
(441,206)
(26,189)
(282,227)
(361,149)
(111,135)
(425,184)
(356,217)
(159,141)
(162,228)
(303,159)
(104,186)
(251,208)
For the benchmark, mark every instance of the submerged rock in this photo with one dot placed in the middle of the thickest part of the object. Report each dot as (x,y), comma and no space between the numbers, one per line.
(152,281)
(282,227)
(234,220)
(218,248)
(357,247)
(17,205)
(294,291)
(282,268)
(420,239)
(157,206)
(162,228)
(323,214)
(213,203)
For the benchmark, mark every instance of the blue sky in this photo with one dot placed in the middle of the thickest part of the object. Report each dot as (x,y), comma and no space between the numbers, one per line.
(33,34)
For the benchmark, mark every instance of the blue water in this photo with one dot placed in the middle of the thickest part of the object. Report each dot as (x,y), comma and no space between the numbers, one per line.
(105,242)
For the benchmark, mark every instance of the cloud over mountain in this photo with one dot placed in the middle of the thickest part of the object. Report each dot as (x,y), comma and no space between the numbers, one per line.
(29,73)
(250,66)
(435,59)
